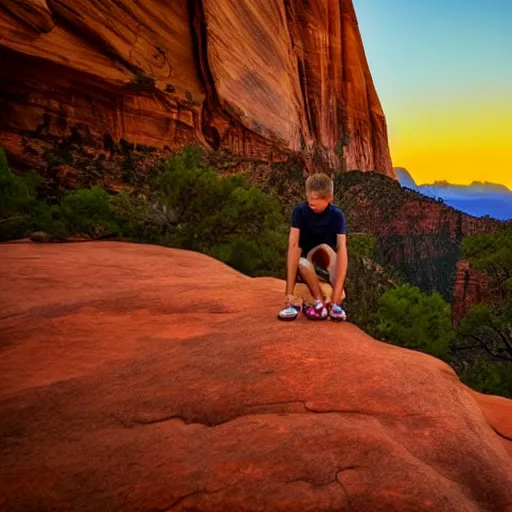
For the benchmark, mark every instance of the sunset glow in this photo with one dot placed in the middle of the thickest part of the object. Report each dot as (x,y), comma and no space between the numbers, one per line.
(444,77)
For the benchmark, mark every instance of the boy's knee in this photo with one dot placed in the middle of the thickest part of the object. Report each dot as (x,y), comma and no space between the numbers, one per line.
(305,264)
(323,256)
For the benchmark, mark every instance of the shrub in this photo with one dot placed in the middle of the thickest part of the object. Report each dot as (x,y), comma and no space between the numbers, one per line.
(489,377)
(362,244)
(83,212)
(190,206)
(18,203)
(409,318)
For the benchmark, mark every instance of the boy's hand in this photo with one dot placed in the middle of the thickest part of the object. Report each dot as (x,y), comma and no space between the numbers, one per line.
(289,298)
(329,303)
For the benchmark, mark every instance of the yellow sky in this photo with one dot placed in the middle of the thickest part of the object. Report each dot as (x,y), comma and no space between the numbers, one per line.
(458,142)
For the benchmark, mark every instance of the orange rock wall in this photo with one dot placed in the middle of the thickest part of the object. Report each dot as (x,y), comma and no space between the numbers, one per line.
(259,78)
(471,287)
(414,216)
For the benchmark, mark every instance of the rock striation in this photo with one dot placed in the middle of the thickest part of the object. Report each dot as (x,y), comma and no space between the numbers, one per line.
(259,79)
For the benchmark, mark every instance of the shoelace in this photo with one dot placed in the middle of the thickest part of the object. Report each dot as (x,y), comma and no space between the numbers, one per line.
(318,304)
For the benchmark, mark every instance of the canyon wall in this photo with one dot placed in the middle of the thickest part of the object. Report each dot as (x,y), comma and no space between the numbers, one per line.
(261,79)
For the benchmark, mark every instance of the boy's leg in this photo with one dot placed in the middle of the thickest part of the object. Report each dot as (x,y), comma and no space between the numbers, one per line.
(308,275)
(291,311)
(292,270)
(325,257)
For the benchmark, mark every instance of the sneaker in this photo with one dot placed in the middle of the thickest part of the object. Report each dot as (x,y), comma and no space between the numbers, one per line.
(289,313)
(316,311)
(337,313)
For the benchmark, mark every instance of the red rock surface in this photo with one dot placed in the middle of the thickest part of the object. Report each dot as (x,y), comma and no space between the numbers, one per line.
(471,287)
(140,378)
(260,79)
(415,216)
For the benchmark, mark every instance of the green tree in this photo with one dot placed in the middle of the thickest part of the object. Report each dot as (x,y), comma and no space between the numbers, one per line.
(362,243)
(409,318)
(18,203)
(488,376)
(83,212)
(366,283)
(189,205)
(492,254)
(489,326)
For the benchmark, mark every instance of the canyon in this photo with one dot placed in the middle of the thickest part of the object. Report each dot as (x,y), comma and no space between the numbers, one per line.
(262,80)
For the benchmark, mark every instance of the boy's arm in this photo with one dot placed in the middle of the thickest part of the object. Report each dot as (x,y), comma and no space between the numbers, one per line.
(341,269)
(292,261)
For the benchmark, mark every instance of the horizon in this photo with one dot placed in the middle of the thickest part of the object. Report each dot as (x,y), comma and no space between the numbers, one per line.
(443,76)
(443,181)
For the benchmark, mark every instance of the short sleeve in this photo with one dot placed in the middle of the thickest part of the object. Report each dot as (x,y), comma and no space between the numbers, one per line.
(296,221)
(341,228)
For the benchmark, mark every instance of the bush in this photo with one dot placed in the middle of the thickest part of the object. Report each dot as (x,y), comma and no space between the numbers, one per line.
(362,244)
(185,205)
(485,332)
(83,212)
(492,254)
(409,318)
(366,283)
(18,203)
(489,377)
(191,206)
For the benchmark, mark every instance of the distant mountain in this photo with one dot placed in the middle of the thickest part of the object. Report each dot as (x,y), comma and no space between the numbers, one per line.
(478,199)
(405,179)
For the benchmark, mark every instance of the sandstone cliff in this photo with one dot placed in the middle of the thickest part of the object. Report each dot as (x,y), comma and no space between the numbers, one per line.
(116,395)
(414,233)
(471,287)
(261,79)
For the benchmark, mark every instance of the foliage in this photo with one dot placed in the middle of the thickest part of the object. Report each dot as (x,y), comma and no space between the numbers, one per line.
(409,318)
(84,212)
(286,180)
(185,204)
(361,243)
(18,203)
(487,327)
(492,254)
(365,284)
(488,377)
(191,206)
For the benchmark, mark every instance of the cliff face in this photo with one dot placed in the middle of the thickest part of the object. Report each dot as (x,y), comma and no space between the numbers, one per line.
(374,204)
(260,79)
(415,233)
(471,287)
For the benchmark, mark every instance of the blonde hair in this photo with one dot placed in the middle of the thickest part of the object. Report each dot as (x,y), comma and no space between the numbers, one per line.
(321,184)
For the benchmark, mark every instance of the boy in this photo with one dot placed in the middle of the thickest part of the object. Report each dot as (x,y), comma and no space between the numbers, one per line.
(317,246)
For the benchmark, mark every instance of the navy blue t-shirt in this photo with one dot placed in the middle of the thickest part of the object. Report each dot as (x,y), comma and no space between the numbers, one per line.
(318,228)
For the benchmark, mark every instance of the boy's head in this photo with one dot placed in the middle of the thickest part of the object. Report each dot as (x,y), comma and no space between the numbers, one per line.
(319,192)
